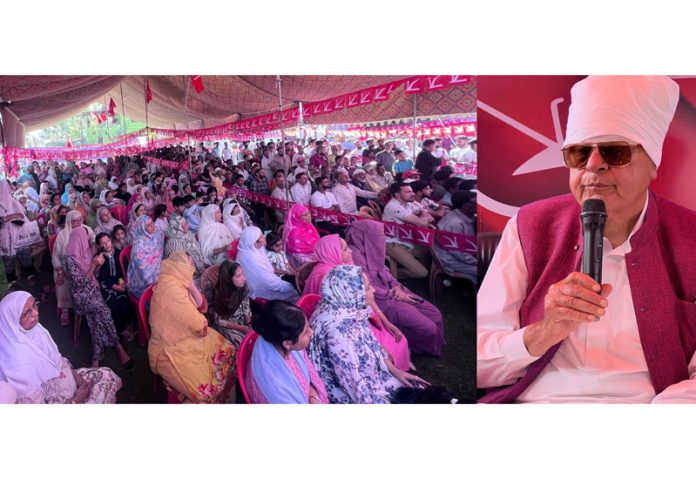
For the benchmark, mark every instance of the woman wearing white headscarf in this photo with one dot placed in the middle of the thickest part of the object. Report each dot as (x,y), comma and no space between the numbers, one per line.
(233,216)
(12,218)
(213,236)
(131,186)
(63,294)
(31,363)
(105,221)
(262,280)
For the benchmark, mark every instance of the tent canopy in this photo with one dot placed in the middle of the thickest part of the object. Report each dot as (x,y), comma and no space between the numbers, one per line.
(40,101)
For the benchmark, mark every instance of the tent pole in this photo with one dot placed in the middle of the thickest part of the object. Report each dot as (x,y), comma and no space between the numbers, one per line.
(123,109)
(108,133)
(286,165)
(415,128)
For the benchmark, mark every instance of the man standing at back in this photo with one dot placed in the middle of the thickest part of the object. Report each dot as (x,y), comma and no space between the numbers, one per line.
(426,163)
(548,333)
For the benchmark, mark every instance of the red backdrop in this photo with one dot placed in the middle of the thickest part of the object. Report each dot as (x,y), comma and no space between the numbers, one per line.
(521,125)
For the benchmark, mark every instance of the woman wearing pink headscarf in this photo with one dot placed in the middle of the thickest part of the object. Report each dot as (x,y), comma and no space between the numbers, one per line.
(300,236)
(80,265)
(332,251)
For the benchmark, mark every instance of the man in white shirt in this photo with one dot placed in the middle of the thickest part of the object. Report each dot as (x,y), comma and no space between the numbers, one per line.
(226,153)
(346,193)
(280,192)
(412,259)
(547,333)
(301,191)
(323,198)
(462,153)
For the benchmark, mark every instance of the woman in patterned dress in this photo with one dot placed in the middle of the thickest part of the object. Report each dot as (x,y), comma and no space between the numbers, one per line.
(31,363)
(345,352)
(146,255)
(80,266)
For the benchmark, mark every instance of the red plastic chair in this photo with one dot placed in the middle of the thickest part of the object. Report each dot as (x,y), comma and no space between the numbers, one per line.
(124,259)
(232,253)
(308,303)
(243,358)
(51,242)
(143,325)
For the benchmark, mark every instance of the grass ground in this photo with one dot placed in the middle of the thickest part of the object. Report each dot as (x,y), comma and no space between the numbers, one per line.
(455,370)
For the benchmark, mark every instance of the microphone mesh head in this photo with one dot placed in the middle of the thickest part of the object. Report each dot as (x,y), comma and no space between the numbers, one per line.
(594,205)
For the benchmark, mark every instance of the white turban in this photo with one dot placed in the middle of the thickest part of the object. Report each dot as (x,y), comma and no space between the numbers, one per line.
(636,108)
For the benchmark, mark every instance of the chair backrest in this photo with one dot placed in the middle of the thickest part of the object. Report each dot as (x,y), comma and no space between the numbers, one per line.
(243,358)
(303,273)
(486,244)
(209,279)
(142,310)
(51,242)
(308,303)
(232,253)
(124,259)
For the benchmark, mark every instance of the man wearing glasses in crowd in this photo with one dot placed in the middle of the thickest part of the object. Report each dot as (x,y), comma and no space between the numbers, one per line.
(548,333)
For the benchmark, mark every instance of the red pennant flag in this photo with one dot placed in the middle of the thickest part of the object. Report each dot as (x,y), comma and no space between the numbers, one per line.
(197,82)
(97,117)
(112,107)
(68,143)
(148,92)
(103,116)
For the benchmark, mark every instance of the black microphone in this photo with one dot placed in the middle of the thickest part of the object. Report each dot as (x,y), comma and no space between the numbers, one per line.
(593,217)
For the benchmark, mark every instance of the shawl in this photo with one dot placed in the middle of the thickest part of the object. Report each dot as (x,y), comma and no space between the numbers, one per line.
(186,242)
(8,206)
(78,249)
(234,223)
(273,376)
(107,227)
(27,358)
(329,255)
(211,234)
(367,241)
(298,235)
(146,257)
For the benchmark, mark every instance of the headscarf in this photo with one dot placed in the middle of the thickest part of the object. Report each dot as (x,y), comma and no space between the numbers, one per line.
(131,186)
(113,184)
(146,257)
(186,242)
(105,227)
(65,197)
(227,297)
(91,219)
(367,241)
(149,204)
(298,235)
(102,197)
(234,223)
(27,358)
(211,234)
(8,206)
(328,253)
(78,249)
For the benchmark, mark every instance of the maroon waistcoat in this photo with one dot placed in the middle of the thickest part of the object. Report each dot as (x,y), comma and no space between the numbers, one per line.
(661,271)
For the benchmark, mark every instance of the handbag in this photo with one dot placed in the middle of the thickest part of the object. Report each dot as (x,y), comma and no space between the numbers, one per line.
(27,235)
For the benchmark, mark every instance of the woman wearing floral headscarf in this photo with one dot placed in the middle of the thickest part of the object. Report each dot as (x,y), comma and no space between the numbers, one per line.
(31,363)
(146,256)
(180,238)
(350,361)
(300,236)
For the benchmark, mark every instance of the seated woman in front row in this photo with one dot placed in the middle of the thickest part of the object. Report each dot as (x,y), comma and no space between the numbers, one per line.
(195,361)
(231,311)
(32,365)
(280,371)
(350,361)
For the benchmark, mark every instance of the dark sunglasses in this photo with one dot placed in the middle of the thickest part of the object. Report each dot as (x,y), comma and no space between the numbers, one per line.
(615,153)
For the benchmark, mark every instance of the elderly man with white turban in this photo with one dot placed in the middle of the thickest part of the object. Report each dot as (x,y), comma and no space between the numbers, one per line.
(538,340)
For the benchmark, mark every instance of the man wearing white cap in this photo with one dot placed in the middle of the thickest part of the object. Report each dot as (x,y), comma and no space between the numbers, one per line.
(538,340)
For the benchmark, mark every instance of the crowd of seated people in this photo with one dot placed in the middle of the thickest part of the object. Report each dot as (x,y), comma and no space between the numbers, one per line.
(121,228)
